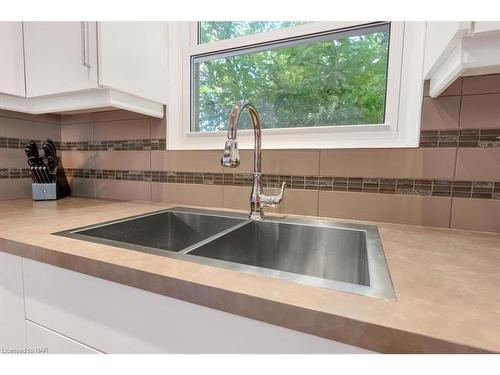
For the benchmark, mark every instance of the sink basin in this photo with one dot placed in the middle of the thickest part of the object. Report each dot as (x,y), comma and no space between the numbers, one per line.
(325,253)
(343,256)
(165,230)
(322,252)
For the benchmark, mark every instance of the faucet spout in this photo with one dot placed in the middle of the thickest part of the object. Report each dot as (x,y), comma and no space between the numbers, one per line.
(231,158)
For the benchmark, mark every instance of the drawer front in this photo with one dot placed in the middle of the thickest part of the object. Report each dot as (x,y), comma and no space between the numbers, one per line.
(115,318)
(46,341)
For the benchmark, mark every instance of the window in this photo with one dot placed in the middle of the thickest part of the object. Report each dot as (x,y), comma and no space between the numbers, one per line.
(220,30)
(322,80)
(315,84)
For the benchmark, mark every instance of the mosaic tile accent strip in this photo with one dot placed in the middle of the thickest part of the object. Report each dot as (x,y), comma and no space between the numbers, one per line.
(402,186)
(18,143)
(485,138)
(14,173)
(460,138)
(124,145)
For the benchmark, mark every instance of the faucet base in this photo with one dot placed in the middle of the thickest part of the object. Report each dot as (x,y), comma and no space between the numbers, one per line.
(256,215)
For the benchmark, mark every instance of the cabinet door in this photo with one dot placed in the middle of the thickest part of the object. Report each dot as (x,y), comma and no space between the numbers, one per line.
(12,321)
(115,318)
(60,57)
(441,38)
(11,58)
(43,340)
(133,58)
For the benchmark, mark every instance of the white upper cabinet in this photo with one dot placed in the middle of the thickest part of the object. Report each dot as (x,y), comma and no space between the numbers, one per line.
(458,48)
(69,67)
(440,39)
(60,57)
(11,58)
(133,58)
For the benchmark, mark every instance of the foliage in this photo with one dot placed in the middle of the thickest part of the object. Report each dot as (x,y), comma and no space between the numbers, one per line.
(220,30)
(332,82)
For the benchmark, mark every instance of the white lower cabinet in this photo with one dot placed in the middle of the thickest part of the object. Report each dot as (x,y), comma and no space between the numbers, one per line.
(45,341)
(12,321)
(69,312)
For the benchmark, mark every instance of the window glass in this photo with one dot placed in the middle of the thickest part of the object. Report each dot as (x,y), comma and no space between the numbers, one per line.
(331,79)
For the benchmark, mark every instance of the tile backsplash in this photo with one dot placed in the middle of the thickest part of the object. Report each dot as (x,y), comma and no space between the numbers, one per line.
(16,129)
(452,180)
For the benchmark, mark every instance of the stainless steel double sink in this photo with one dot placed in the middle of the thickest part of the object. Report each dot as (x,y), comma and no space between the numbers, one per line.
(324,253)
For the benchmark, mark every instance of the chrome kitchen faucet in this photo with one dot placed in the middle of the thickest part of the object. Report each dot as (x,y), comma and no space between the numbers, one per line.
(231,158)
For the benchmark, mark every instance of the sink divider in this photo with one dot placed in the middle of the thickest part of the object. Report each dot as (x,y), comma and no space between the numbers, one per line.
(214,237)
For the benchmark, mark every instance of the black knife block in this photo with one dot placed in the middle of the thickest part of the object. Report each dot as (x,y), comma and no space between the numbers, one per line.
(52,191)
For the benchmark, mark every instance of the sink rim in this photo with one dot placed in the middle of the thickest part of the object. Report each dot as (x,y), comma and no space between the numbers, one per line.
(381,285)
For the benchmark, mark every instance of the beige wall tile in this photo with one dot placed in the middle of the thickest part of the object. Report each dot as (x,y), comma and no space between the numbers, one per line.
(441,113)
(15,188)
(158,128)
(77,132)
(416,163)
(122,130)
(246,163)
(19,128)
(403,209)
(78,159)
(117,115)
(454,89)
(124,160)
(298,202)
(13,158)
(476,214)
(236,197)
(45,118)
(186,161)
(487,84)
(282,162)
(480,112)
(123,190)
(478,164)
(76,118)
(82,187)
(187,194)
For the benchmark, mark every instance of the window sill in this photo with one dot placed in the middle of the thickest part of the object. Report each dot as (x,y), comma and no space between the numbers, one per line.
(351,136)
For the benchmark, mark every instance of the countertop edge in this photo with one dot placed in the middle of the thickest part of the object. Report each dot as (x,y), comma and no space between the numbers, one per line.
(346,330)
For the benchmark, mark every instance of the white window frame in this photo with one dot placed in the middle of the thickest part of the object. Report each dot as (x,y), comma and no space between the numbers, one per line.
(403,98)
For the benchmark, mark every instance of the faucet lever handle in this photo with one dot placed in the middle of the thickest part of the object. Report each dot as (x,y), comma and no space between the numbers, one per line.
(273,200)
(282,192)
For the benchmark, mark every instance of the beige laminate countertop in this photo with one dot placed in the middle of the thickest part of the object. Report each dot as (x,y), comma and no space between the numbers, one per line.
(447,282)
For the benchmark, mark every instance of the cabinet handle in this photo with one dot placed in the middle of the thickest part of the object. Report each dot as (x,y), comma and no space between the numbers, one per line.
(85,43)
